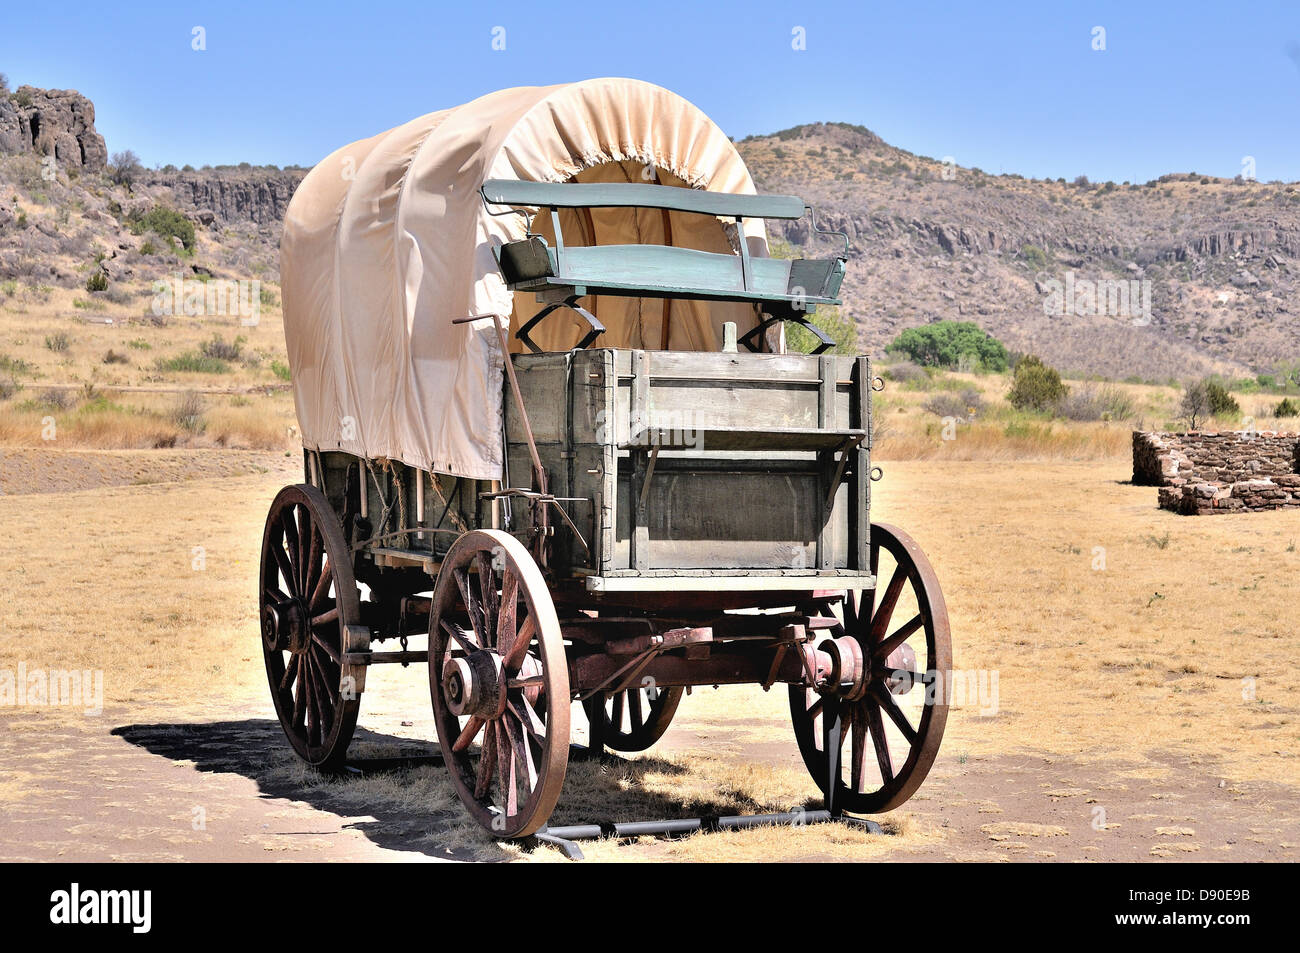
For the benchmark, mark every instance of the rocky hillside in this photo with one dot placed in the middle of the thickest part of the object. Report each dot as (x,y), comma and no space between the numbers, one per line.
(52,122)
(1222,257)
(1218,261)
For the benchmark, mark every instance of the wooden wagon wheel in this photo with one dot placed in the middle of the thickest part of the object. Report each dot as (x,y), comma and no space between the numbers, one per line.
(308,600)
(893,730)
(631,720)
(499,677)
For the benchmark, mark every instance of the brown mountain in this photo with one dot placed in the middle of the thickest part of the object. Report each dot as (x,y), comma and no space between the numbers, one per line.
(930,242)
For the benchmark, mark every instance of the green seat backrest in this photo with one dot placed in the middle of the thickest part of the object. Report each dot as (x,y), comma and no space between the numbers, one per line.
(623,195)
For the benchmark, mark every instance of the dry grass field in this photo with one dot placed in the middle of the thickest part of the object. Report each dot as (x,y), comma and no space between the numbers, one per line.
(114,375)
(1146,705)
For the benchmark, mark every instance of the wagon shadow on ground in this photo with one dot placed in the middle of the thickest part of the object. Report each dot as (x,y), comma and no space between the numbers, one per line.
(397,792)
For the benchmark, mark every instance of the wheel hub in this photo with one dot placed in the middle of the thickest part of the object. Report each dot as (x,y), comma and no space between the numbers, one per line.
(845,671)
(284,626)
(474,684)
(901,660)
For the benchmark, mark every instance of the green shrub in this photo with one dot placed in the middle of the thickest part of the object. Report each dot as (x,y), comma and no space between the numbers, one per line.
(58,342)
(13,366)
(1222,404)
(1035,386)
(192,362)
(833,324)
(904,372)
(165,222)
(963,406)
(1287,408)
(1034,256)
(945,343)
(98,281)
(220,350)
(281,370)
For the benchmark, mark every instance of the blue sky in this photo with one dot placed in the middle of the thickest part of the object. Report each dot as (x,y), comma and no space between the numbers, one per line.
(1006,86)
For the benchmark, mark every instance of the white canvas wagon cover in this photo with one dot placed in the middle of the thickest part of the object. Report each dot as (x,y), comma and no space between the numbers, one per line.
(387,241)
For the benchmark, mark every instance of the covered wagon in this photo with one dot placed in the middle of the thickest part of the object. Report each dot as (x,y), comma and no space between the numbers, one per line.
(555,449)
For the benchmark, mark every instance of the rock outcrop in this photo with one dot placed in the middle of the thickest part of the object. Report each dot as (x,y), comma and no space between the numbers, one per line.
(227,195)
(52,122)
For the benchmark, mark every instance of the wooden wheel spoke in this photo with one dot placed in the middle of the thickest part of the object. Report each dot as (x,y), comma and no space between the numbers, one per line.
(458,636)
(322,588)
(905,632)
(534,725)
(533,681)
(328,617)
(309,688)
(815,711)
(882,744)
(512,660)
(858,750)
(895,713)
(285,565)
(487,588)
(290,669)
(330,650)
(305,546)
(521,761)
(487,760)
(468,734)
(472,606)
(293,546)
(505,769)
(313,567)
(300,696)
(506,615)
(880,621)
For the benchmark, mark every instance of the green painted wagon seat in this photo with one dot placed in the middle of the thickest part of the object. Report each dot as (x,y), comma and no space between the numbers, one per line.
(664,271)
(772,440)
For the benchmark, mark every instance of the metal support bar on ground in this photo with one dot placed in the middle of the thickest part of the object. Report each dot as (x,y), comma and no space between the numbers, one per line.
(566,838)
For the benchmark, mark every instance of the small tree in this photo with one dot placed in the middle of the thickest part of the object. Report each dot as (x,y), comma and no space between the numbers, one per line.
(124,168)
(1035,386)
(1287,408)
(1194,408)
(4,85)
